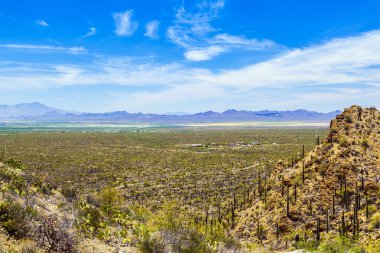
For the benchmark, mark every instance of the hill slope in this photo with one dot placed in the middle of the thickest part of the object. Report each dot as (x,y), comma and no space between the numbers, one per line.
(333,190)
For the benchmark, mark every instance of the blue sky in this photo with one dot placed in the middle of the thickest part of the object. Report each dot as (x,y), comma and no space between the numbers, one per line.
(190,56)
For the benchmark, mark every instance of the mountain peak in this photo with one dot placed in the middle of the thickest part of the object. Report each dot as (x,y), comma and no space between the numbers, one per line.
(26,110)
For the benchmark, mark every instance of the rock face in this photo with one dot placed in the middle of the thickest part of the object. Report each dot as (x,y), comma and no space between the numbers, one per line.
(332,190)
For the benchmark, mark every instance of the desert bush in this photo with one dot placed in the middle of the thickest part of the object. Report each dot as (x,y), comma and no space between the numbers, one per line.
(110,200)
(342,141)
(140,213)
(348,119)
(7,174)
(145,242)
(27,246)
(309,246)
(92,200)
(375,221)
(92,222)
(339,245)
(15,164)
(69,192)
(365,144)
(52,236)
(180,233)
(16,219)
(373,246)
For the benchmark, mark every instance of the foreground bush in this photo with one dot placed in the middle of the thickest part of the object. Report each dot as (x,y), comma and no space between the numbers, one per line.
(172,231)
(52,236)
(15,219)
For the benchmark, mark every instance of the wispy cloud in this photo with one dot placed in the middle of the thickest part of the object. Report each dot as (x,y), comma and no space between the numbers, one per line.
(236,41)
(42,23)
(124,24)
(194,32)
(204,54)
(90,33)
(46,48)
(189,27)
(342,71)
(152,29)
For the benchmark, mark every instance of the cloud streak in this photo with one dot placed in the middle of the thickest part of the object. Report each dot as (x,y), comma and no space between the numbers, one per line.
(124,25)
(90,33)
(42,23)
(46,48)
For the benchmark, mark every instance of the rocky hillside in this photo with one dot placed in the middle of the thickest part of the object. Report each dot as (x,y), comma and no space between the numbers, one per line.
(331,191)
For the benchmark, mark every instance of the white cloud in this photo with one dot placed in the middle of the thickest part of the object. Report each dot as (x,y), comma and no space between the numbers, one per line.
(41,23)
(91,32)
(189,27)
(193,31)
(237,41)
(204,53)
(124,24)
(152,29)
(337,72)
(69,50)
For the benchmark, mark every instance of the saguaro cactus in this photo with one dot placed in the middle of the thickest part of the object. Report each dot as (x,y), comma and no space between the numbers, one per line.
(343,225)
(318,233)
(333,202)
(327,221)
(287,202)
(303,172)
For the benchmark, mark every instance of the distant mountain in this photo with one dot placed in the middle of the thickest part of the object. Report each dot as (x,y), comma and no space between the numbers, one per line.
(28,110)
(177,113)
(40,112)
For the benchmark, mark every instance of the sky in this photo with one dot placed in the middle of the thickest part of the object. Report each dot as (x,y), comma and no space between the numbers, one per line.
(160,56)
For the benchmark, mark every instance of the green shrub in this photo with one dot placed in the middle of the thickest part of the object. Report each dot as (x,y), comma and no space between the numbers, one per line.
(110,201)
(348,119)
(92,222)
(70,193)
(15,164)
(342,141)
(373,246)
(365,144)
(375,221)
(339,245)
(145,242)
(16,219)
(310,245)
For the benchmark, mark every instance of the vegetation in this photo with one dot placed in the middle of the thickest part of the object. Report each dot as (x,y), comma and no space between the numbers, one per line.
(328,200)
(145,190)
(253,190)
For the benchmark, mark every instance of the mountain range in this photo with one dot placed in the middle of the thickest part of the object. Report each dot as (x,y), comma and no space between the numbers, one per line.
(40,112)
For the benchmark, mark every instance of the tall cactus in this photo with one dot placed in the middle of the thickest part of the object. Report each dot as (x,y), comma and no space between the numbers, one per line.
(303,172)
(287,202)
(366,208)
(343,225)
(327,221)
(318,233)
